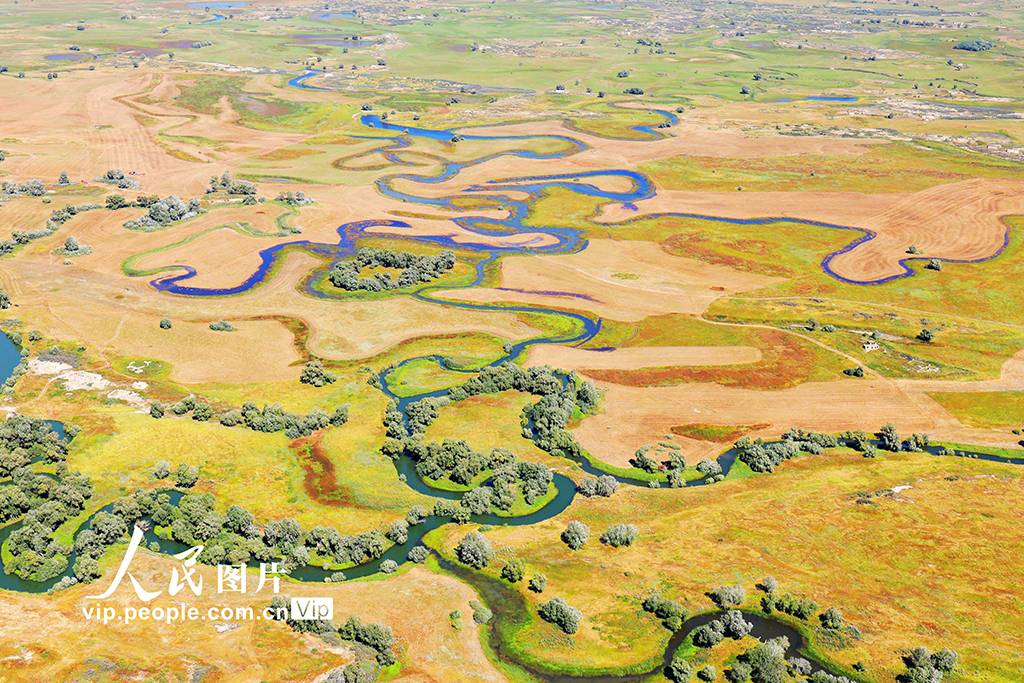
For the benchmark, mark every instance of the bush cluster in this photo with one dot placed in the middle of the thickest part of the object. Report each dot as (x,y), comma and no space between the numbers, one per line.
(415,269)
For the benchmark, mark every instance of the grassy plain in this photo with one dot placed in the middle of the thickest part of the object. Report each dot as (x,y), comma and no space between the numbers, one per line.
(918,147)
(818,522)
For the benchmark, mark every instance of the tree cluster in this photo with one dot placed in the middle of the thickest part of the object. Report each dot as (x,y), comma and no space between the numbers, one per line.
(730,625)
(57,218)
(801,608)
(164,212)
(116,176)
(973,45)
(475,550)
(47,502)
(924,666)
(728,596)
(314,373)
(414,269)
(299,198)
(558,612)
(671,613)
(576,535)
(762,457)
(375,636)
(455,461)
(619,535)
(272,418)
(603,486)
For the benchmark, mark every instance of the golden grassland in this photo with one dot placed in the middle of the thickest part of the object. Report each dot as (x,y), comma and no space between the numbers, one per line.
(932,565)
(926,566)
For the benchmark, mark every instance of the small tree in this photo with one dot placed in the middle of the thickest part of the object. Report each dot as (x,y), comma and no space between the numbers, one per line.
(728,596)
(575,535)
(926,335)
(162,469)
(156,409)
(165,324)
(707,674)
(186,476)
(538,583)
(513,570)
(314,373)
(619,535)
(475,550)
(831,619)
(63,180)
(678,670)
(556,611)
(934,264)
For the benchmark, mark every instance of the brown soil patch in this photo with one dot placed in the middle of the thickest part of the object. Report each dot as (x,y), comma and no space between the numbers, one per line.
(635,358)
(785,362)
(956,221)
(624,280)
(633,415)
(845,208)
(261,108)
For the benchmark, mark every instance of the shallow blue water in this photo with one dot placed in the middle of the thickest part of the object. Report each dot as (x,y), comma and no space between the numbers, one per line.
(333,15)
(819,98)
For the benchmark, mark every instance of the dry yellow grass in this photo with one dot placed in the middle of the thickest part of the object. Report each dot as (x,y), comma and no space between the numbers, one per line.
(569,357)
(624,280)
(632,417)
(255,650)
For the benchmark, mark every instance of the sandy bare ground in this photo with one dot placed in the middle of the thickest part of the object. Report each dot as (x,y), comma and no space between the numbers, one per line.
(632,417)
(844,208)
(624,280)
(690,137)
(415,605)
(957,221)
(634,358)
(100,310)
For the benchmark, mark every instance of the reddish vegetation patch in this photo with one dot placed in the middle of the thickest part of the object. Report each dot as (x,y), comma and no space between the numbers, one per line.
(709,250)
(300,333)
(320,482)
(261,108)
(716,433)
(785,363)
